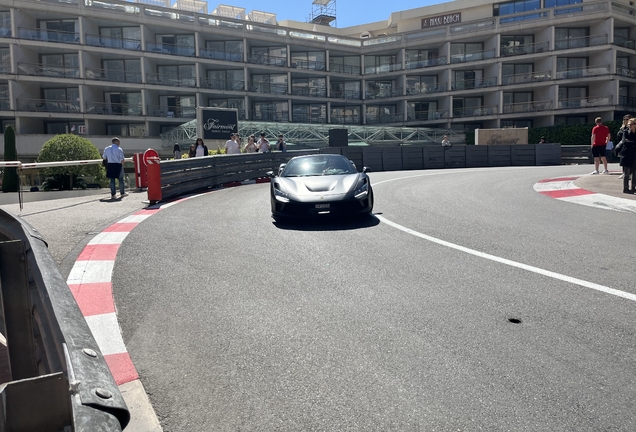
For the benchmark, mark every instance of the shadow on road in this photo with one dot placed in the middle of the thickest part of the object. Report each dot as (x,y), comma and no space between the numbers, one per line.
(328,223)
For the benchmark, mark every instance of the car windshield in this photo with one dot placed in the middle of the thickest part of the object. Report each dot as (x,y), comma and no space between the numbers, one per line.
(318,166)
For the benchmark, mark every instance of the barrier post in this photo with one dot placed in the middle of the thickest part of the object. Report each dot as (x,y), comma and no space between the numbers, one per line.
(141,172)
(154,179)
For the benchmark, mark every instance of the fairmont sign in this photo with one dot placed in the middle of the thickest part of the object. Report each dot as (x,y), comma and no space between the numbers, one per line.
(442,20)
(218,123)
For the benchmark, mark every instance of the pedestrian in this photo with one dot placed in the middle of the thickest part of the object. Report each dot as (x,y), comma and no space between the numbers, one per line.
(609,150)
(445,142)
(250,147)
(200,149)
(619,136)
(281,144)
(232,146)
(542,140)
(114,157)
(177,152)
(192,152)
(599,139)
(626,149)
(263,144)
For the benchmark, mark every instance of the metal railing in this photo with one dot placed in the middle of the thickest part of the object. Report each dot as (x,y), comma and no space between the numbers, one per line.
(117,109)
(471,84)
(113,42)
(113,75)
(440,114)
(515,50)
(627,101)
(583,72)
(308,64)
(423,88)
(580,42)
(169,80)
(171,112)
(474,56)
(264,59)
(171,49)
(384,93)
(624,42)
(626,72)
(384,119)
(306,118)
(524,78)
(48,35)
(309,91)
(345,94)
(584,102)
(526,107)
(475,111)
(419,64)
(232,56)
(60,380)
(345,119)
(269,88)
(47,105)
(345,69)
(217,84)
(393,67)
(36,69)
(270,116)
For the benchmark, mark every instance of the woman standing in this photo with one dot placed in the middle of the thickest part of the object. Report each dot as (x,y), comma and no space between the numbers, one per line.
(250,147)
(192,152)
(626,149)
(200,149)
(177,152)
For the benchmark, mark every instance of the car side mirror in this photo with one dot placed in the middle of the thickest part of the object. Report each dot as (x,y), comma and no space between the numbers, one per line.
(270,174)
(366,169)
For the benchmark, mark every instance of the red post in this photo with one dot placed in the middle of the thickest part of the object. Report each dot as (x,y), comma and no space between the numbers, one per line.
(141,171)
(154,179)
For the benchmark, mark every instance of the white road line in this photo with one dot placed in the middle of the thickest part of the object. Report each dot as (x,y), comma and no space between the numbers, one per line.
(511,263)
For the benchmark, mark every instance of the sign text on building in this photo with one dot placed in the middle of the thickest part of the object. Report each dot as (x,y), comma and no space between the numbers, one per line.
(442,20)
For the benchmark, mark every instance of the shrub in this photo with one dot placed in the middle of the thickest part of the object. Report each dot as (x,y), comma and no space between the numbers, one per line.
(70,147)
(10,178)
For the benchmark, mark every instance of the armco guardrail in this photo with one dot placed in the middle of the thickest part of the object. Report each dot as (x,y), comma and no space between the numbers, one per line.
(59,379)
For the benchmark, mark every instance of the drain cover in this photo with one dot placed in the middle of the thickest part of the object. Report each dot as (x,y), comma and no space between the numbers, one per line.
(514,320)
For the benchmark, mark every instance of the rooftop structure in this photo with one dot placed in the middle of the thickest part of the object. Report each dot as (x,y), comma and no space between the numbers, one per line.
(323,12)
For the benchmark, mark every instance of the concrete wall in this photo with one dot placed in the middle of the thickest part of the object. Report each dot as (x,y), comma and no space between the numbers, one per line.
(501,136)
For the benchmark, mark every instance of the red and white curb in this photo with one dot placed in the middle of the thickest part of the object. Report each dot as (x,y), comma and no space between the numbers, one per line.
(564,189)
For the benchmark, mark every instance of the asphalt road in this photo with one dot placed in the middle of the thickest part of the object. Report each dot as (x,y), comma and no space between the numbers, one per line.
(237,323)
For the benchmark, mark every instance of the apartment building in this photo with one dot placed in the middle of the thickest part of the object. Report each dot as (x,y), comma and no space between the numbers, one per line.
(140,69)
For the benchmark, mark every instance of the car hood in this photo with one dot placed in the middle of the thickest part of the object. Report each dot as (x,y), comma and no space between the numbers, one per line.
(324,185)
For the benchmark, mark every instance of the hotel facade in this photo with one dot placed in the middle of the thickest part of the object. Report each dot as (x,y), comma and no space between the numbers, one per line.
(140,69)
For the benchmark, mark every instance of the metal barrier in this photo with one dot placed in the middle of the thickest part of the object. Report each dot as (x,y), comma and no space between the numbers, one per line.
(60,380)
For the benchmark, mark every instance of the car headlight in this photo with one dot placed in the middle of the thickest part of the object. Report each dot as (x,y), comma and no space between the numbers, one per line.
(362,189)
(280,195)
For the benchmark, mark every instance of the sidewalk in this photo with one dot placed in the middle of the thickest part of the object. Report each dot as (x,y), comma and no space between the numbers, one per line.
(604,184)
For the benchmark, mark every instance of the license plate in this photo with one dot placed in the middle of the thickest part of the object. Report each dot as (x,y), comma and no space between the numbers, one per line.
(322,206)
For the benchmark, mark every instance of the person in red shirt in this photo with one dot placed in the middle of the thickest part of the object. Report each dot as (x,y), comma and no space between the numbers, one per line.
(600,138)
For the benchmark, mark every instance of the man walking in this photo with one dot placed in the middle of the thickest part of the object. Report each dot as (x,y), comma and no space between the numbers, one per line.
(600,137)
(232,146)
(114,156)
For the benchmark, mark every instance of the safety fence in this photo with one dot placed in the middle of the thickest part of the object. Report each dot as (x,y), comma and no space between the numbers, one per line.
(59,380)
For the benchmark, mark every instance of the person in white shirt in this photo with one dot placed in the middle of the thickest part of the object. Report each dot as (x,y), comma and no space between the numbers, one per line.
(263,144)
(201,149)
(232,146)
(114,156)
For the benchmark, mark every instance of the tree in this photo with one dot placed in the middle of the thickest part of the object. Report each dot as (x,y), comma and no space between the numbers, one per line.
(69,147)
(10,179)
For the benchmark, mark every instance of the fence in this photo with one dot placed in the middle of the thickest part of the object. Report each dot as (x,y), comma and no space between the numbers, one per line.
(60,380)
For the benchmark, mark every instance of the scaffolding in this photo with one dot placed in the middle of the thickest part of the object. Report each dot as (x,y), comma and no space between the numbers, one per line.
(229,12)
(323,12)
(306,135)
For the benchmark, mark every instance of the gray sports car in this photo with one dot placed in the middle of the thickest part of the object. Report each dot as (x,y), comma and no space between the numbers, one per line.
(318,185)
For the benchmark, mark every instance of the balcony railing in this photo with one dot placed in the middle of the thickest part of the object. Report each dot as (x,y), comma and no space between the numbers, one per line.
(585,102)
(5,32)
(35,69)
(345,94)
(309,91)
(624,42)
(48,35)
(526,107)
(159,79)
(580,42)
(384,119)
(475,111)
(171,112)
(221,55)
(626,72)
(113,42)
(384,93)
(113,75)
(370,70)
(305,118)
(418,64)
(264,59)
(308,65)
(5,103)
(471,84)
(5,68)
(627,101)
(172,49)
(590,71)
(117,109)
(423,88)
(515,50)
(475,56)
(47,105)
(345,69)
(268,88)
(217,84)
(440,114)
(524,78)
(345,119)
(271,116)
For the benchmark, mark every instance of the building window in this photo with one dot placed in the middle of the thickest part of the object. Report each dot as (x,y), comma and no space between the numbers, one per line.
(223,50)
(467,107)
(515,7)
(516,73)
(120,37)
(381,114)
(557,3)
(345,65)
(572,97)
(461,52)
(314,113)
(379,89)
(426,110)
(59,31)
(516,124)
(272,84)
(131,130)
(226,79)
(177,75)
(316,87)
(464,79)
(273,56)
(270,111)
(345,115)
(569,120)
(61,99)
(421,58)
(237,104)
(571,67)
(128,104)
(567,38)
(380,64)
(517,102)
(122,70)
(313,60)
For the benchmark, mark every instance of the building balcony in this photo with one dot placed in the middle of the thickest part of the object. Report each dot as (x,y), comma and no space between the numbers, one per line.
(171,112)
(308,65)
(586,102)
(174,81)
(624,42)
(515,50)
(345,69)
(264,59)
(581,42)
(527,107)
(625,72)
(475,111)
(345,119)
(112,42)
(471,57)
(345,94)
(590,71)
(384,119)
(214,84)
(171,49)
(627,102)
(423,88)
(268,88)
(40,70)
(474,84)
(419,64)
(47,105)
(525,78)
(374,70)
(270,116)
(305,118)
(5,32)
(5,68)
(48,35)
(221,55)
(112,75)
(429,115)
(309,91)
(384,93)
(5,103)
(113,109)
